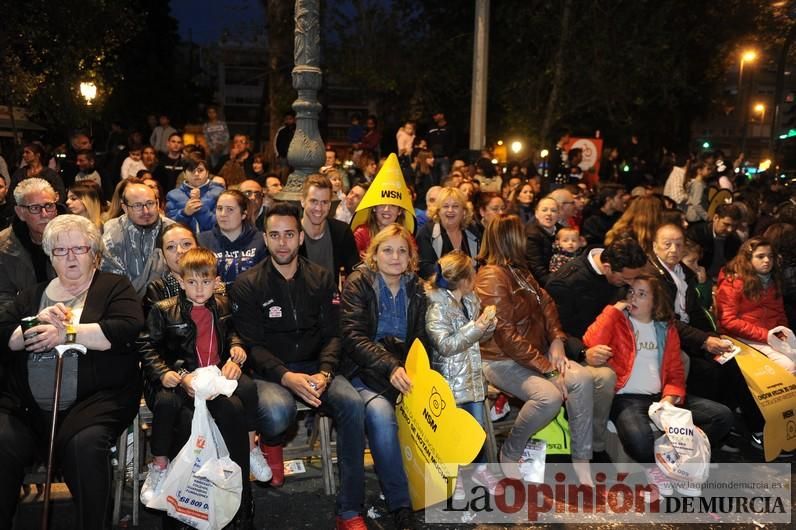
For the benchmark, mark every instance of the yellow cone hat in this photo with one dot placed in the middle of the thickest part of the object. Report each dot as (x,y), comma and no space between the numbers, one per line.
(389,187)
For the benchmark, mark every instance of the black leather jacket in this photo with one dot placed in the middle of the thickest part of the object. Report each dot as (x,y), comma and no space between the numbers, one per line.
(170,336)
(359,320)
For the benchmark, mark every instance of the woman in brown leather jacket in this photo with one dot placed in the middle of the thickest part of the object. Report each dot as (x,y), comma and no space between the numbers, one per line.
(525,356)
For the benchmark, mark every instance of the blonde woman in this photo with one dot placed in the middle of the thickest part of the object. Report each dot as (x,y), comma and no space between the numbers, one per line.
(448,229)
(83,199)
(383,311)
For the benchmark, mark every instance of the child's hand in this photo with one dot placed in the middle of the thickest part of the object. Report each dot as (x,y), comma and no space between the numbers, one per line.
(231,370)
(621,306)
(488,317)
(192,206)
(170,379)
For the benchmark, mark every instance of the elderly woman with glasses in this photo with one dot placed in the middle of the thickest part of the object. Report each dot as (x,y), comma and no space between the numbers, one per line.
(99,391)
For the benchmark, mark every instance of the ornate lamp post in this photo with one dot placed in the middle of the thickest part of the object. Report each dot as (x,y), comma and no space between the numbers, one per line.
(306,153)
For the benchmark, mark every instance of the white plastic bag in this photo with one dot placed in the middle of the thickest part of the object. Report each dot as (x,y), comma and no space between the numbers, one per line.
(203,486)
(785,345)
(683,452)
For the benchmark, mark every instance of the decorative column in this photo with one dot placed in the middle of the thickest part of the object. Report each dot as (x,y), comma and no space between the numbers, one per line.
(306,153)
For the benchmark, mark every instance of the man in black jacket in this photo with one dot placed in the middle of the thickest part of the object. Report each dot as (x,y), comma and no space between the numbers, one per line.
(581,289)
(611,203)
(285,310)
(717,238)
(327,242)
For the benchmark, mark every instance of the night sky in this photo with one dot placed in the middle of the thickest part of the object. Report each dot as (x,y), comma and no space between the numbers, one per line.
(205,20)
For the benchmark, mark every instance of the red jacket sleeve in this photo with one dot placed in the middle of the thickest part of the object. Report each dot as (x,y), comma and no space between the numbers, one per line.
(729,296)
(602,330)
(673,376)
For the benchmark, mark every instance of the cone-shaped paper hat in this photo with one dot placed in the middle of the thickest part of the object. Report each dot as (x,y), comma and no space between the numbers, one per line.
(389,187)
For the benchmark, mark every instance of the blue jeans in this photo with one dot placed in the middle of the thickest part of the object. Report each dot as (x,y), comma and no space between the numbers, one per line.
(382,430)
(629,413)
(277,412)
(476,410)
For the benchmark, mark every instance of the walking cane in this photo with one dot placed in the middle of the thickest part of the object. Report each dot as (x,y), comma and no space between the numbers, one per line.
(61,350)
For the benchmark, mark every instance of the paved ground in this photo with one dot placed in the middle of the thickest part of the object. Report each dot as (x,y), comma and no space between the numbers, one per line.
(302,504)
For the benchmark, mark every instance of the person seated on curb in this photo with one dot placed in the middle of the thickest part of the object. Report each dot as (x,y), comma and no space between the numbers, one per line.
(526,355)
(189,331)
(286,310)
(383,312)
(646,358)
(455,324)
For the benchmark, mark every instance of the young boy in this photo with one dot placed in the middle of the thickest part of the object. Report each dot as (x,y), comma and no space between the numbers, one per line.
(183,333)
(133,164)
(193,203)
(565,248)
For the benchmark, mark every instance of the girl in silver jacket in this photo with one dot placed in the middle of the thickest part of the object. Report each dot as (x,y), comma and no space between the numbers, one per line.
(455,324)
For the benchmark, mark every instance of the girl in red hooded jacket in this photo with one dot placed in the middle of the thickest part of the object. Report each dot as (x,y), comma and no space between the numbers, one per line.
(645,354)
(749,298)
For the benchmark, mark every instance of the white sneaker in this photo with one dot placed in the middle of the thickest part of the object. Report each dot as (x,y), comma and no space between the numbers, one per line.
(458,492)
(153,484)
(258,466)
(656,477)
(483,477)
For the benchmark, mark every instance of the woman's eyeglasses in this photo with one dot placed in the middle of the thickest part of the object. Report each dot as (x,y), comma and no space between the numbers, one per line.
(77,251)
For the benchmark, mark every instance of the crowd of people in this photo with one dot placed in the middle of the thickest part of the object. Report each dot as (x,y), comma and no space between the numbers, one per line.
(602,299)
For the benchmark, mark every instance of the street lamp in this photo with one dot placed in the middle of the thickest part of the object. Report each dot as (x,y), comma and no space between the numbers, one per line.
(516,146)
(747,56)
(760,108)
(89,91)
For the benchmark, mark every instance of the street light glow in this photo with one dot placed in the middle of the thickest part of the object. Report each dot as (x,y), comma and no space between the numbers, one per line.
(516,146)
(760,108)
(89,91)
(500,142)
(543,153)
(749,56)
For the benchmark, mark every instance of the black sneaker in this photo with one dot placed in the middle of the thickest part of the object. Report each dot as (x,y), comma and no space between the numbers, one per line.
(404,519)
(758,443)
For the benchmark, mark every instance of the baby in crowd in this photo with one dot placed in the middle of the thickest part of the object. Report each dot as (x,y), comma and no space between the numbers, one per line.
(565,248)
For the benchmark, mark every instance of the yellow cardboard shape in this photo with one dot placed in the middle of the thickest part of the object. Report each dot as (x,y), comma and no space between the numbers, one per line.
(774,390)
(431,430)
(389,187)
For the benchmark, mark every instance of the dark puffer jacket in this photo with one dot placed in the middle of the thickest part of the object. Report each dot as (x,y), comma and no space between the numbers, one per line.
(359,319)
(170,337)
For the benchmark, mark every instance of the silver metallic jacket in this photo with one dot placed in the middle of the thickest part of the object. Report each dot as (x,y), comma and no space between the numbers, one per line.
(454,343)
